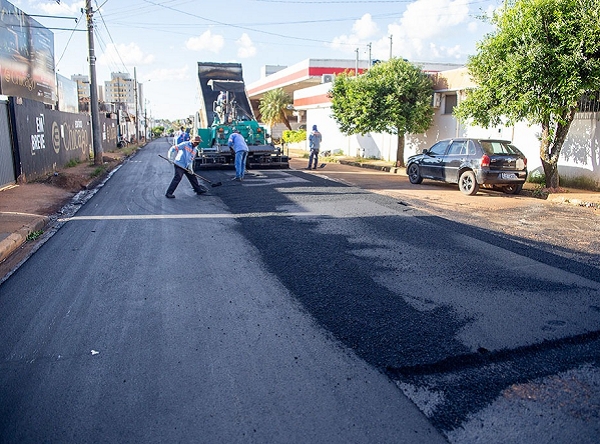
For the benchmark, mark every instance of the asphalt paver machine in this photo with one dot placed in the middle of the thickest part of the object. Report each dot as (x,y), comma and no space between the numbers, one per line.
(225,107)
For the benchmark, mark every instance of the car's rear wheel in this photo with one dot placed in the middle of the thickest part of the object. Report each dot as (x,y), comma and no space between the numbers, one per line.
(512,189)
(467,184)
(414,175)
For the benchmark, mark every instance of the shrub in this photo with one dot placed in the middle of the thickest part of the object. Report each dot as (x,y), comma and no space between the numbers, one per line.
(294,136)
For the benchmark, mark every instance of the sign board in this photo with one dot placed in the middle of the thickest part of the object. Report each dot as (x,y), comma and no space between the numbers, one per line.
(26,56)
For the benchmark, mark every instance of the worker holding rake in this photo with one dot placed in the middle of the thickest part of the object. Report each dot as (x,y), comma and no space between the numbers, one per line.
(182,156)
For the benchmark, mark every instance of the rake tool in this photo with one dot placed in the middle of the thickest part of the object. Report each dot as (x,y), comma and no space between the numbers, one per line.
(212,184)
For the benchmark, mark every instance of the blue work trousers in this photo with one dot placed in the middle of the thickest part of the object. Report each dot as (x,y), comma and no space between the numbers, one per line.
(240,164)
(313,160)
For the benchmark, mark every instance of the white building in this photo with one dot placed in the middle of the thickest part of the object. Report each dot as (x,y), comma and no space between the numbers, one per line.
(121,88)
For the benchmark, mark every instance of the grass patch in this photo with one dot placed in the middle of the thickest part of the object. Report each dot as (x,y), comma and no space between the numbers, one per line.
(73,162)
(34,235)
(131,148)
(98,171)
(578,182)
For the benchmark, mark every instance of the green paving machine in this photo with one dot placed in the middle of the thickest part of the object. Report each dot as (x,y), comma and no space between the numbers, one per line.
(225,107)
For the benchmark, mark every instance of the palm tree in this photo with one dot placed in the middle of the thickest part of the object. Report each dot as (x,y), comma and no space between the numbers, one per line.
(273,107)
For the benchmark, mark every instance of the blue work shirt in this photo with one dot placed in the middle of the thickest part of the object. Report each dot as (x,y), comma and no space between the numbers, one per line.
(237,142)
(184,154)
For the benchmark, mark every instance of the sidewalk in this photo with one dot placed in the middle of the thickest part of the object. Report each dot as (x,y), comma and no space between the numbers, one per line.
(25,210)
(29,208)
(571,196)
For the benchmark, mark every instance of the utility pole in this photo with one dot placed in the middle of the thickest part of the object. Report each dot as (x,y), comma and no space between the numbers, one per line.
(391,36)
(137,112)
(356,65)
(96,138)
(370,60)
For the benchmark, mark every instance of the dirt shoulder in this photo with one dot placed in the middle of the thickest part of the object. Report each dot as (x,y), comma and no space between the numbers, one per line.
(45,197)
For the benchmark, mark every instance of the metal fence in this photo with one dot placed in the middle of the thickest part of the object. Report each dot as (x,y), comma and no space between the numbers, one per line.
(590,102)
(7,168)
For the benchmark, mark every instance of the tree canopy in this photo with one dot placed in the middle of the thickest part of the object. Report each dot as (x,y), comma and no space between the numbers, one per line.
(542,58)
(392,97)
(273,107)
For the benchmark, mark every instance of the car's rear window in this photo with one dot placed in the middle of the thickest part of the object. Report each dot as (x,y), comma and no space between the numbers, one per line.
(498,147)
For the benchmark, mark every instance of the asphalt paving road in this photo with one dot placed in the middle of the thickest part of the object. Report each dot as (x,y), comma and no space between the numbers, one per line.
(146,319)
(292,308)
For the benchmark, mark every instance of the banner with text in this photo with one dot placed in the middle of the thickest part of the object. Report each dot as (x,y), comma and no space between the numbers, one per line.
(26,56)
(47,139)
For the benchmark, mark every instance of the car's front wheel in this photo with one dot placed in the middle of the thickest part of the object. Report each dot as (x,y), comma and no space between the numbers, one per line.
(512,189)
(414,175)
(467,184)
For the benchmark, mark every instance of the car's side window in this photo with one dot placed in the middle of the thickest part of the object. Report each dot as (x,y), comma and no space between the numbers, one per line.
(458,148)
(439,149)
(471,148)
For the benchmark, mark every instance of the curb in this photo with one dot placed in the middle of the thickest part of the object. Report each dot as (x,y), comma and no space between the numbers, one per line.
(14,240)
(384,168)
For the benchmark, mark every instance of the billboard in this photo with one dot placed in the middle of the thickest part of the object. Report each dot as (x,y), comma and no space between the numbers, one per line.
(68,100)
(26,56)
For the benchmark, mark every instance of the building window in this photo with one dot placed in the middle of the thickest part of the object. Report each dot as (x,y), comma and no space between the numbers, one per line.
(450,103)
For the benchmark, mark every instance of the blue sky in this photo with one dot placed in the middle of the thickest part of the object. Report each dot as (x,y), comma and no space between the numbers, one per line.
(164,40)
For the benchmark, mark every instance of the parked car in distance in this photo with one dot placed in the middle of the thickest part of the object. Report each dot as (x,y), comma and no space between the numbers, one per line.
(471,163)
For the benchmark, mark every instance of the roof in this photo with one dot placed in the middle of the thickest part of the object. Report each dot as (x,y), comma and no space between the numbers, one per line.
(307,73)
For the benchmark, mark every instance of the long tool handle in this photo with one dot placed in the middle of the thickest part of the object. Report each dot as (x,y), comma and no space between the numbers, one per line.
(218,184)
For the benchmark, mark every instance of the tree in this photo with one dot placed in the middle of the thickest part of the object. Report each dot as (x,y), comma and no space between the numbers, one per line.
(542,58)
(392,97)
(273,107)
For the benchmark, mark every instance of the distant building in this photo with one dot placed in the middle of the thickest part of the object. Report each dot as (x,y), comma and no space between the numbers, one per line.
(83,91)
(122,91)
(121,88)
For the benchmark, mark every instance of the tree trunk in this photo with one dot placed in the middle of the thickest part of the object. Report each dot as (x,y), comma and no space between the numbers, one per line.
(552,144)
(284,119)
(400,151)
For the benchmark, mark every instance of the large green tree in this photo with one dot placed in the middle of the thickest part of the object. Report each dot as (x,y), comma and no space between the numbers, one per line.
(273,107)
(541,59)
(392,97)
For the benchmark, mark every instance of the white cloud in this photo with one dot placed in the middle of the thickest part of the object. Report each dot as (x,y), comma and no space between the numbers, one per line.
(428,30)
(130,55)
(362,30)
(425,19)
(161,74)
(245,47)
(206,42)
(53,8)
(365,27)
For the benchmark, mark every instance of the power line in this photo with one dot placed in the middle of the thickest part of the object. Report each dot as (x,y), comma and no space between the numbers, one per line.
(108,32)
(239,26)
(70,37)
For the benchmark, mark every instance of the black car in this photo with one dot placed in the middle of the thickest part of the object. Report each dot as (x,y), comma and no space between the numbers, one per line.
(471,163)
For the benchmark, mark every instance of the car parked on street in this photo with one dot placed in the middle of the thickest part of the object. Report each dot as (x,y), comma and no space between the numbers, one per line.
(471,163)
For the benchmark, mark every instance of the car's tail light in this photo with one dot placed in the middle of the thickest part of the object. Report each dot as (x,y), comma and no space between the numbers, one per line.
(525,160)
(485,160)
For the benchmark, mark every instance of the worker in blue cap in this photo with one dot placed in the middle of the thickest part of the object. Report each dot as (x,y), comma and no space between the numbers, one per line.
(314,144)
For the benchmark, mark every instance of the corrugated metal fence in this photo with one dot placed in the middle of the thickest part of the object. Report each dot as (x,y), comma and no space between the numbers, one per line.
(36,141)
(7,167)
